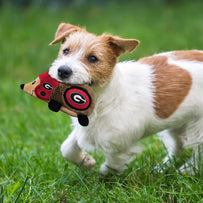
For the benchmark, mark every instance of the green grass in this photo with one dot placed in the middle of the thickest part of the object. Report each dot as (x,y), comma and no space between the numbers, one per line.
(32,168)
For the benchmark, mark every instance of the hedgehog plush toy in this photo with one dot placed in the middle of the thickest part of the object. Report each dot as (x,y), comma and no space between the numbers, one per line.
(75,100)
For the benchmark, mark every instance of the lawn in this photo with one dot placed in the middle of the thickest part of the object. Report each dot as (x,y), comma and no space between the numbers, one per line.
(32,168)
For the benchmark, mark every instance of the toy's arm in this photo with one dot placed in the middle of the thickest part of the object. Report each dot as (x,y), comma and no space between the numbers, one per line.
(54,105)
(83,120)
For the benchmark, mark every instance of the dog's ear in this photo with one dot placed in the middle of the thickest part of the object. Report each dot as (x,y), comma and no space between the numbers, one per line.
(63,31)
(120,45)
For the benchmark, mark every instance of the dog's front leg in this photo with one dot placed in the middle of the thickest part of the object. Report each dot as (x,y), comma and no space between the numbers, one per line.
(73,153)
(116,163)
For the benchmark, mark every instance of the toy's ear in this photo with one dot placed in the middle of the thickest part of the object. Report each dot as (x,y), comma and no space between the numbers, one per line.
(120,45)
(63,31)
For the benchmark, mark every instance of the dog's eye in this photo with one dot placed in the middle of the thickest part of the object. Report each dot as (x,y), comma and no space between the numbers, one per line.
(65,51)
(92,59)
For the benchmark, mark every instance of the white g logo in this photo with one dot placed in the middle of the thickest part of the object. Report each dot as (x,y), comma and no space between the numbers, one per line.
(77,98)
(47,86)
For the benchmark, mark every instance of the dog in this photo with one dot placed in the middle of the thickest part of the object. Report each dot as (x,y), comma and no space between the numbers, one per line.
(161,94)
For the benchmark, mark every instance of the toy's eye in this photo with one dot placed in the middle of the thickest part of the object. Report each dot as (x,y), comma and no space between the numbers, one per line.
(92,59)
(33,82)
(66,51)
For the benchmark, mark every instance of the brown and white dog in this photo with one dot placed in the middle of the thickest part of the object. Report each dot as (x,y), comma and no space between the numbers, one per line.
(134,99)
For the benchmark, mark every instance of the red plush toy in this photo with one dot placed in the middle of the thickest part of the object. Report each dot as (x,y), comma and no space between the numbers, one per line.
(75,100)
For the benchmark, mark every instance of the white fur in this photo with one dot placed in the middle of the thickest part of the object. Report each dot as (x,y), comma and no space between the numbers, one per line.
(124,114)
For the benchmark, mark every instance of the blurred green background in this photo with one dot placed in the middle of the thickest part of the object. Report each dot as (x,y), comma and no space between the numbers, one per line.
(30,134)
(160,25)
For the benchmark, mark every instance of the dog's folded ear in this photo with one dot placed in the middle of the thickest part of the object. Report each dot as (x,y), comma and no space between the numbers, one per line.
(63,31)
(120,45)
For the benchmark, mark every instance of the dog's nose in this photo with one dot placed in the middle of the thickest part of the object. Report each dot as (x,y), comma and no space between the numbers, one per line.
(64,72)
(22,86)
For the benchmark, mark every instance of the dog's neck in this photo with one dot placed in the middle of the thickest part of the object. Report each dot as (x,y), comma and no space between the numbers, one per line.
(127,78)
(111,90)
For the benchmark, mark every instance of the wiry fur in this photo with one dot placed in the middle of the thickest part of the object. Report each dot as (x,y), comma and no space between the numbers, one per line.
(125,102)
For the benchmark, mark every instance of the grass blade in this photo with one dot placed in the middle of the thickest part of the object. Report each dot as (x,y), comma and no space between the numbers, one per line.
(76,173)
(14,188)
(21,189)
(1,194)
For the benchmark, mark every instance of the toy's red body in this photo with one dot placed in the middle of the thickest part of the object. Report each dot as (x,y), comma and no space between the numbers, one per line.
(46,86)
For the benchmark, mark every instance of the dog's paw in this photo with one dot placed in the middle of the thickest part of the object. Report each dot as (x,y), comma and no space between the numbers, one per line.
(88,162)
(164,165)
(188,168)
(161,168)
(106,170)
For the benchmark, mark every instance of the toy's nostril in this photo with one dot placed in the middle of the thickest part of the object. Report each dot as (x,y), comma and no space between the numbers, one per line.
(64,72)
(22,86)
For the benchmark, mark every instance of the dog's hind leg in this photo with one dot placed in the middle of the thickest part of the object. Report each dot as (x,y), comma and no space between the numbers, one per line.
(195,163)
(116,163)
(73,153)
(173,141)
(195,140)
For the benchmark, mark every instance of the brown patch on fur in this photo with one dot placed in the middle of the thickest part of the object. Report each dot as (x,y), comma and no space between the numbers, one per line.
(107,49)
(120,45)
(189,55)
(172,85)
(101,71)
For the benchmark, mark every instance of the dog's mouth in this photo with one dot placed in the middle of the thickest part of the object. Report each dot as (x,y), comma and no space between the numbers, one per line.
(75,83)
(67,81)
(91,83)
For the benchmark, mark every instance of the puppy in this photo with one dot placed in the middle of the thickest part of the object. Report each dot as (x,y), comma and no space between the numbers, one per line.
(161,93)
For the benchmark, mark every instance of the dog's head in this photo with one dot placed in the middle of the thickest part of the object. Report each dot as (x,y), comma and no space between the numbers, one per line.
(85,58)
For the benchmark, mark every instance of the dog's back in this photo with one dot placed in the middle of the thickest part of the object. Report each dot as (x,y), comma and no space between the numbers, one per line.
(178,86)
(178,101)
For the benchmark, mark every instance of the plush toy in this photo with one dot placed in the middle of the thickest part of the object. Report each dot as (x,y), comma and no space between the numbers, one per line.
(75,100)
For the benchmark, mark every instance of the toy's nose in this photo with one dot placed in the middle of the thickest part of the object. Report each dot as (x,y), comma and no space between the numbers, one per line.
(22,86)
(64,72)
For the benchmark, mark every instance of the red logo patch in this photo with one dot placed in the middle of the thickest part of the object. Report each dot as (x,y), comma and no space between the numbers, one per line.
(77,98)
